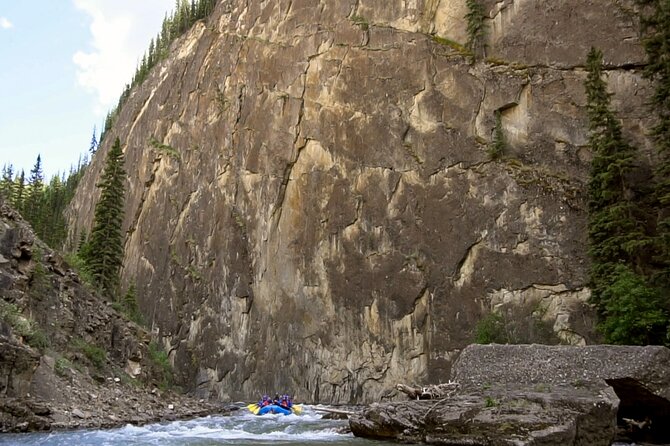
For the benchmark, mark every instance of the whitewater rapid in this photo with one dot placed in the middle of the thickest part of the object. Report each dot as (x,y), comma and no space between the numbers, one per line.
(241,428)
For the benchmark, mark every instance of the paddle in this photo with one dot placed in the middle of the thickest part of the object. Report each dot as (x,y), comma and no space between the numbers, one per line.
(255,408)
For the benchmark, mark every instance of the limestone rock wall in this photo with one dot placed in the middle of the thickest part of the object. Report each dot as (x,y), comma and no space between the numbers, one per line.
(329,222)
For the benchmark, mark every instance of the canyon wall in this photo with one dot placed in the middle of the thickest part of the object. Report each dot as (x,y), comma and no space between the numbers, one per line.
(311,206)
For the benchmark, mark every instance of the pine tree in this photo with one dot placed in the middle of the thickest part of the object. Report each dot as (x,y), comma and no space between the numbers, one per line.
(165,38)
(475,26)
(104,254)
(7,182)
(618,244)
(194,12)
(655,23)
(54,226)
(498,144)
(130,306)
(94,143)
(107,126)
(32,207)
(19,191)
(151,54)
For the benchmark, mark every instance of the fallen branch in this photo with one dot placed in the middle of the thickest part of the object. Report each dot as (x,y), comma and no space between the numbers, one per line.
(430,392)
(337,411)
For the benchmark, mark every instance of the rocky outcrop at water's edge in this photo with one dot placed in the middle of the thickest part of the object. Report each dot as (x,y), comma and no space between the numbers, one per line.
(537,395)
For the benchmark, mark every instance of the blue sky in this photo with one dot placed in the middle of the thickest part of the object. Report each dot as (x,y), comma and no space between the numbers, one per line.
(63,65)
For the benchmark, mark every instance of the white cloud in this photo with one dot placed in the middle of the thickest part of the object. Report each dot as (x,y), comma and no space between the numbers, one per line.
(120,34)
(5,23)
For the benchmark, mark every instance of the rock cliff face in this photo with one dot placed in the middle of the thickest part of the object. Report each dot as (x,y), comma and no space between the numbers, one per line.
(311,206)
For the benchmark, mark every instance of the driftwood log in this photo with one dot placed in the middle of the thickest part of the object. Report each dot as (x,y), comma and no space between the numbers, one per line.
(430,392)
(336,411)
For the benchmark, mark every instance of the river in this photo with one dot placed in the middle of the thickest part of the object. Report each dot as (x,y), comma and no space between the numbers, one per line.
(237,429)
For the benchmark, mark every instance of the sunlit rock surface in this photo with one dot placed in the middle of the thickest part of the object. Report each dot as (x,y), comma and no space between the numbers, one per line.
(325,218)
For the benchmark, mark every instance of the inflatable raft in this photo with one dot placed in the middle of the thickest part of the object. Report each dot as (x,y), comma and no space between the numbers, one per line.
(274,409)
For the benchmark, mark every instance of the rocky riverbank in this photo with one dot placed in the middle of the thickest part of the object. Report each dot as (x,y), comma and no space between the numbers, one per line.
(536,394)
(69,359)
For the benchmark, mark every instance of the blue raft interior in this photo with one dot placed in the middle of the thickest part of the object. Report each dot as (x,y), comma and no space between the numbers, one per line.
(274,408)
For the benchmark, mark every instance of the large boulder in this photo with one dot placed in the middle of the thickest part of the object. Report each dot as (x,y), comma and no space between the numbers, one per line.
(537,394)
(562,415)
(640,376)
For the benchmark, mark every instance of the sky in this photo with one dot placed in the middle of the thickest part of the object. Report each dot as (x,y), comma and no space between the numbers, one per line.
(63,66)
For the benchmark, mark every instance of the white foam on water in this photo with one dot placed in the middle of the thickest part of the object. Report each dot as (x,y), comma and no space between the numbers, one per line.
(239,428)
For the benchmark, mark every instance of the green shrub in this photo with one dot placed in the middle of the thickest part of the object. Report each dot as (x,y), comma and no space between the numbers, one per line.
(491,402)
(360,21)
(452,44)
(38,339)
(76,261)
(634,311)
(11,314)
(62,366)
(476,28)
(93,353)
(516,324)
(130,307)
(164,148)
(160,358)
(491,330)
(498,145)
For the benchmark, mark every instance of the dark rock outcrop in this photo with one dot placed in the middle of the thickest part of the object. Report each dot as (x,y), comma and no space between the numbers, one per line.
(495,417)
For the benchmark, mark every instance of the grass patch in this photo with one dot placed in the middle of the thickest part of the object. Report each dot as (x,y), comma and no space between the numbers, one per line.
(23,326)
(12,315)
(451,44)
(193,273)
(38,339)
(62,366)
(491,402)
(93,353)
(360,21)
(79,265)
(125,378)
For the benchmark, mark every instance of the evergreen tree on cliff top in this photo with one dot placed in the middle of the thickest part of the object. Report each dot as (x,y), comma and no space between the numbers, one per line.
(32,205)
(655,23)
(630,310)
(103,254)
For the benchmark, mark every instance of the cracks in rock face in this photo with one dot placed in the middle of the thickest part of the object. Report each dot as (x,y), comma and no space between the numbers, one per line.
(461,273)
(286,177)
(479,111)
(238,117)
(288,10)
(417,300)
(140,206)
